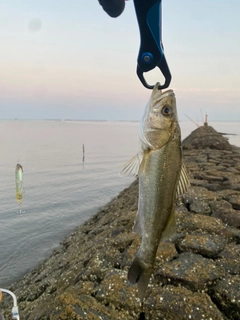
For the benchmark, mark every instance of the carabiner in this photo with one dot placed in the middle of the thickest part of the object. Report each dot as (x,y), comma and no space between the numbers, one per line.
(151,53)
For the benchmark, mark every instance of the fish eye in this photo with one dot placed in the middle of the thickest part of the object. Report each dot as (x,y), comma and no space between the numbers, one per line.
(167,110)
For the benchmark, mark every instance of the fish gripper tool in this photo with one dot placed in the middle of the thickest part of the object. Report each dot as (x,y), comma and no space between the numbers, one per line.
(151,53)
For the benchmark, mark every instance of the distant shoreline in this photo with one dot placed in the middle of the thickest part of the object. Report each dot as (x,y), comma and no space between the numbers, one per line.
(105,120)
(71,120)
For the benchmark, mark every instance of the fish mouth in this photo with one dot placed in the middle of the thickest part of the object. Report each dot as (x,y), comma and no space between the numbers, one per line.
(159,90)
(159,95)
(165,94)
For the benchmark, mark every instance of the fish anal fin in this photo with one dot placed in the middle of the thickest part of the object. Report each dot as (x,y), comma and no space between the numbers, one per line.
(170,229)
(183,183)
(137,225)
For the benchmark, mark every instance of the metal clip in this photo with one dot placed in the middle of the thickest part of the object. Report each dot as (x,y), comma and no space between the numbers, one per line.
(151,54)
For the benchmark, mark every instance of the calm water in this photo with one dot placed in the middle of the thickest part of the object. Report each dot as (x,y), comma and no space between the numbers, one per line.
(61,192)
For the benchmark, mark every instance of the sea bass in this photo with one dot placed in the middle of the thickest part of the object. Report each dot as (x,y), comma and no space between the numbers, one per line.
(162,176)
(19,182)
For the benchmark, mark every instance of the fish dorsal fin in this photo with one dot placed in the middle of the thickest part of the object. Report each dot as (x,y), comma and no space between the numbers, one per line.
(184,182)
(182,188)
(170,229)
(131,168)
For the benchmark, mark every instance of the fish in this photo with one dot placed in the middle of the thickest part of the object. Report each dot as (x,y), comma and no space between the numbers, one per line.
(19,182)
(162,178)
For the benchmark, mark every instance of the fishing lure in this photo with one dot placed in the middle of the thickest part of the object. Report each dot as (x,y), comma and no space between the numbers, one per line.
(19,183)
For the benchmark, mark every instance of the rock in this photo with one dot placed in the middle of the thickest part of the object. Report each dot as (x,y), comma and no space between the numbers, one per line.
(231,217)
(190,270)
(200,207)
(232,182)
(200,223)
(235,234)
(236,186)
(213,178)
(229,259)
(179,303)
(207,245)
(166,252)
(213,186)
(226,295)
(235,201)
(206,137)
(221,204)
(115,290)
(197,199)
(226,194)
(198,183)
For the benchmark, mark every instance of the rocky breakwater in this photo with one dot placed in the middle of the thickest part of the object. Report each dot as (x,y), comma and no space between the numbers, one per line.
(196,276)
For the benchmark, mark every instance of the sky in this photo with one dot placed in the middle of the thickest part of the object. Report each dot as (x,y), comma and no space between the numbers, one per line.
(68,59)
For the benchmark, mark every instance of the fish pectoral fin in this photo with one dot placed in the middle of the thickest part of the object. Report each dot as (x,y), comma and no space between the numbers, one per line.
(131,167)
(183,183)
(170,229)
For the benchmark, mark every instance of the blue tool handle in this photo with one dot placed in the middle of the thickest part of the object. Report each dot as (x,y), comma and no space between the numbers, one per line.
(151,54)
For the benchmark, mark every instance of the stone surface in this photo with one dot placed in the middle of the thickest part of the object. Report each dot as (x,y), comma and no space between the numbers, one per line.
(226,295)
(179,303)
(235,201)
(204,137)
(207,245)
(229,259)
(231,217)
(190,270)
(199,223)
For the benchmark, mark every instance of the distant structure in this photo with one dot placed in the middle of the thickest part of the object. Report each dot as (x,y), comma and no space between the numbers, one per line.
(206,137)
(206,121)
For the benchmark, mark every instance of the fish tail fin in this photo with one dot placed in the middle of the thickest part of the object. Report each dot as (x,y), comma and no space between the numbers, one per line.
(140,274)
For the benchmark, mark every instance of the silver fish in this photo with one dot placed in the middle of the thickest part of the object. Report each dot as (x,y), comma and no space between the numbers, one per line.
(162,177)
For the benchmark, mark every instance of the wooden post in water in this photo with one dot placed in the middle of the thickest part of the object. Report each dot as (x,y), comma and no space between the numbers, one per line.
(83,153)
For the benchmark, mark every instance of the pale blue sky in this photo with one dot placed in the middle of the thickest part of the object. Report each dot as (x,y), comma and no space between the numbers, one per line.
(69,59)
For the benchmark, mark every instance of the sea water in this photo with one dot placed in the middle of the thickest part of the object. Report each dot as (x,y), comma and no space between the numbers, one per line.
(61,191)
